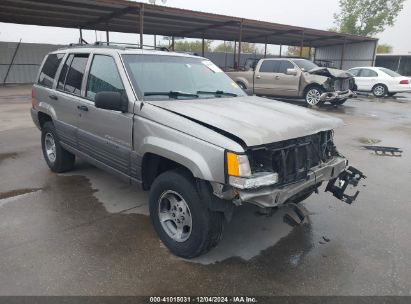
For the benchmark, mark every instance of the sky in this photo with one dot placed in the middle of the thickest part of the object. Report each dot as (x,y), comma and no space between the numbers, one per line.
(316,14)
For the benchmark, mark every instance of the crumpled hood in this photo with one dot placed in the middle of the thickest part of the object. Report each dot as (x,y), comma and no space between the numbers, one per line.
(329,72)
(254,120)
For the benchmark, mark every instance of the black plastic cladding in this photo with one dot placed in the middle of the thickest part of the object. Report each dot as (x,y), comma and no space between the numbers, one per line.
(292,159)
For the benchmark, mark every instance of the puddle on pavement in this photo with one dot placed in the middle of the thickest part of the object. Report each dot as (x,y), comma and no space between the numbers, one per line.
(17,192)
(13,195)
(4,156)
(239,236)
(367,140)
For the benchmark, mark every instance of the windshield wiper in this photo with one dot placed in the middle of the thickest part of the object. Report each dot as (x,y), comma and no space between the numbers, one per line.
(217,93)
(171,94)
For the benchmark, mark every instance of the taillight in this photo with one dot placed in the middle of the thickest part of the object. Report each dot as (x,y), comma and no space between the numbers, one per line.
(33,98)
(405,81)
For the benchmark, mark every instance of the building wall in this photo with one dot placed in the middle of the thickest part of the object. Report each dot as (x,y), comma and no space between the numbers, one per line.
(353,55)
(398,63)
(26,61)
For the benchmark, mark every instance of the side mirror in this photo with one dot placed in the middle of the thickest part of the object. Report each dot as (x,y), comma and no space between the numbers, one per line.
(292,72)
(114,101)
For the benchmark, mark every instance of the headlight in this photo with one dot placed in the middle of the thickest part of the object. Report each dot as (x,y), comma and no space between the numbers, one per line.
(255,181)
(239,173)
(237,165)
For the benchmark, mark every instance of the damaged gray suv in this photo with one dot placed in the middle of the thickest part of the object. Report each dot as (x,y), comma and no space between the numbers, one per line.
(176,125)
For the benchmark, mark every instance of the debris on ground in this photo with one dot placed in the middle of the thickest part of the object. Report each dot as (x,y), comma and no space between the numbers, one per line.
(385,151)
(368,141)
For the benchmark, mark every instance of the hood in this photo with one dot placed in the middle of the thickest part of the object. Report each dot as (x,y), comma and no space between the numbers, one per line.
(253,120)
(328,72)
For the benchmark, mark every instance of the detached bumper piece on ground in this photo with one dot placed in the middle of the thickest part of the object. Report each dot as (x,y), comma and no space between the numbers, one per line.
(337,186)
(383,151)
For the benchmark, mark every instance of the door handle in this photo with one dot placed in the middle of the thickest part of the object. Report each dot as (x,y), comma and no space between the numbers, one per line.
(52,96)
(258,76)
(277,77)
(82,108)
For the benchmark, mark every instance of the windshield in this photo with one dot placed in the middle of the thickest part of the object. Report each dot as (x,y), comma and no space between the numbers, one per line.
(390,72)
(305,65)
(159,77)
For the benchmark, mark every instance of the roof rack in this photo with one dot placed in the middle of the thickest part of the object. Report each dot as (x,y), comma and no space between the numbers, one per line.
(119,45)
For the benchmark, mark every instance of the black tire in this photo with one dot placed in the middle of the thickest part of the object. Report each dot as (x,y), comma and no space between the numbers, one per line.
(338,102)
(391,94)
(310,92)
(242,85)
(207,226)
(380,90)
(63,160)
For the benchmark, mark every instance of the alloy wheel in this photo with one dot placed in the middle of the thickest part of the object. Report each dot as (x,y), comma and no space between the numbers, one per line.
(175,216)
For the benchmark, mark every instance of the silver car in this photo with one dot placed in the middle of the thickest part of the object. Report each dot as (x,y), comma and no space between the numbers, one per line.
(176,125)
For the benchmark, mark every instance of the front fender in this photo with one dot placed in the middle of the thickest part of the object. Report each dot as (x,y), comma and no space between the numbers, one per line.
(205,161)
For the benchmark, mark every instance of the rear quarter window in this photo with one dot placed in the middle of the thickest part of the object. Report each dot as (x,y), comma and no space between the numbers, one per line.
(49,70)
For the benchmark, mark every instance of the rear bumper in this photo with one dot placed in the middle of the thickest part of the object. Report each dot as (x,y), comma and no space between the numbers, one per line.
(338,95)
(400,89)
(273,196)
(35,117)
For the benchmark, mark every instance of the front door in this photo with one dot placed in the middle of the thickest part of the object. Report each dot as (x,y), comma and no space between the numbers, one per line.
(103,134)
(284,84)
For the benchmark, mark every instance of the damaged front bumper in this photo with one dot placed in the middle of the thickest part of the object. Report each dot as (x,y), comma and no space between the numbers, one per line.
(337,95)
(272,196)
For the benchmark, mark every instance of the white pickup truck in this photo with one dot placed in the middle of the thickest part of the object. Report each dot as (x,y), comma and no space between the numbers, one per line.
(295,77)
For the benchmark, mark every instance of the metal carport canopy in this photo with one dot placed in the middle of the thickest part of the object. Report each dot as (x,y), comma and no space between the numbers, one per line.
(135,17)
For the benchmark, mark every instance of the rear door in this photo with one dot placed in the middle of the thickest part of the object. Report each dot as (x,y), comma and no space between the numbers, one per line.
(366,79)
(103,134)
(264,77)
(67,97)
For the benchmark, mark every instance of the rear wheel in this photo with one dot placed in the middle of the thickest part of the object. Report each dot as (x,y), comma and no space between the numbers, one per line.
(379,90)
(181,218)
(57,158)
(313,95)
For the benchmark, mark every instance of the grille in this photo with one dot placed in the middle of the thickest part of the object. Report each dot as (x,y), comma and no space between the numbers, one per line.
(342,84)
(292,159)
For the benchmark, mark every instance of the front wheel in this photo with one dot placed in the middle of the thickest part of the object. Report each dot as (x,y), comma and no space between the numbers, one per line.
(313,96)
(180,216)
(379,90)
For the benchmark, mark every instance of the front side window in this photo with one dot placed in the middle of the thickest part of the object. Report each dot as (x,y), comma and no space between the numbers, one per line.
(284,66)
(159,77)
(48,72)
(268,66)
(355,72)
(72,73)
(103,76)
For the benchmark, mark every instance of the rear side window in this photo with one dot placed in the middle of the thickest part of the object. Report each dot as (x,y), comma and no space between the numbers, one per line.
(72,73)
(368,73)
(48,72)
(103,76)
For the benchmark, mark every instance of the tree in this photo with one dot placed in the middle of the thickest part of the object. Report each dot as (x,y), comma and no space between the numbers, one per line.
(367,17)
(294,51)
(192,46)
(384,49)
(222,48)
